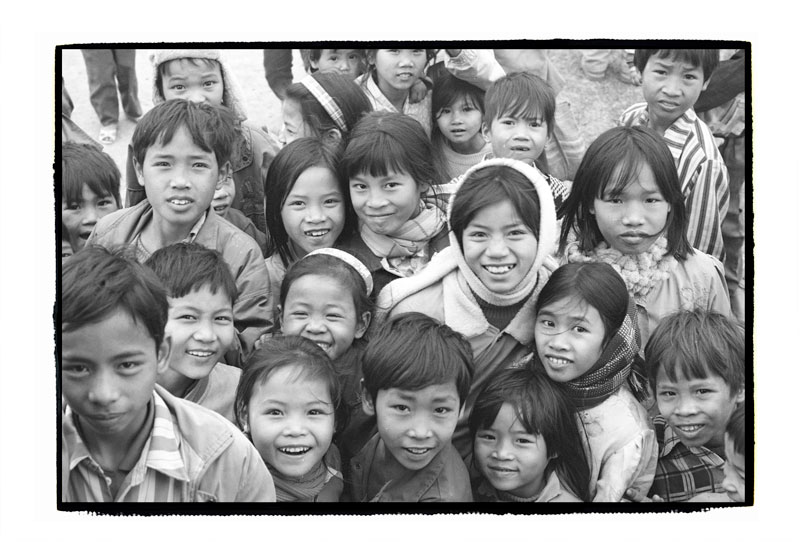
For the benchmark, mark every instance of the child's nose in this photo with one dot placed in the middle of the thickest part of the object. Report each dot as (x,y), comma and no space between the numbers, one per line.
(497,247)
(316,324)
(89,215)
(103,391)
(420,428)
(502,451)
(294,426)
(671,87)
(314,213)
(197,96)
(204,332)
(375,199)
(282,136)
(557,341)
(633,215)
(686,406)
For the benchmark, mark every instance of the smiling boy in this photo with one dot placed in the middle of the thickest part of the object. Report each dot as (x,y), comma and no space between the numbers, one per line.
(672,81)
(123,438)
(417,374)
(201,293)
(181,155)
(695,364)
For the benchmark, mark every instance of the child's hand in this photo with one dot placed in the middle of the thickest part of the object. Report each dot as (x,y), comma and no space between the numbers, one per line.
(418,92)
(630,494)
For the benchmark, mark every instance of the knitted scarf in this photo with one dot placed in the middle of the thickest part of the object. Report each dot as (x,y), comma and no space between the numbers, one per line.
(612,368)
(641,272)
(404,253)
(306,487)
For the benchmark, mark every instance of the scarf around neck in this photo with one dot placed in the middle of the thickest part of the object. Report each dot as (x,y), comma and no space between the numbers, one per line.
(404,252)
(611,370)
(641,272)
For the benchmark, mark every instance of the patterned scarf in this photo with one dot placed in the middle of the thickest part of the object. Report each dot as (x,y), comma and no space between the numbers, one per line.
(611,369)
(307,487)
(404,254)
(641,271)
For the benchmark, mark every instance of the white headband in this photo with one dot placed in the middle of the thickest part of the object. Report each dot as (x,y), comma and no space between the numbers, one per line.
(325,100)
(351,260)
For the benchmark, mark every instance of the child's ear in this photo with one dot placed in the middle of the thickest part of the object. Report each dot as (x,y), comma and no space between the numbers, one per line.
(139,174)
(367,404)
(705,84)
(363,324)
(740,396)
(332,137)
(486,132)
(162,354)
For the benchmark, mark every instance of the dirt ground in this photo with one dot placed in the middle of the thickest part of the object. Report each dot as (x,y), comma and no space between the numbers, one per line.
(595,104)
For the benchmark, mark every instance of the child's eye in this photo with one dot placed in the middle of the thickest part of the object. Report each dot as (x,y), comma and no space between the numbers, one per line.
(444,111)
(358,187)
(209,83)
(485,436)
(75,369)
(518,232)
(160,163)
(224,319)
(525,441)
(476,234)
(508,122)
(187,317)
(317,412)
(547,323)
(73,207)
(298,314)
(334,316)
(442,410)
(535,123)
(105,202)
(666,393)
(580,329)
(129,367)
(391,185)
(660,72)
(273,412)
(297,204)
(201,165)
(332,202)
(178,87)
(400,408)
(704,391)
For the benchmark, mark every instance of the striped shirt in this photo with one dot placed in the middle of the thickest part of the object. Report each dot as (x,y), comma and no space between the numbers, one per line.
(158,475)
(702,173)
(683,472)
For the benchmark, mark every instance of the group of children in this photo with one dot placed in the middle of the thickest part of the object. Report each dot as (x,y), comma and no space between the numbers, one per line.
(394,300)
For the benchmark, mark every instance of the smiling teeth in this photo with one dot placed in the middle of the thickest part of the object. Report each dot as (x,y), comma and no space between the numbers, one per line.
(294,450)
(418,451)
(316,233)
(179,202)
(689,428)
(558,361)
(498,269)
(200,353)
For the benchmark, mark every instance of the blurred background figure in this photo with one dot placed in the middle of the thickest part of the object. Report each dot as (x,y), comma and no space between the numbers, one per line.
(109,70)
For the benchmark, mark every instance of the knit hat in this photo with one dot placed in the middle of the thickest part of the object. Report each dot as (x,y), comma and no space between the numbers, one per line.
(547,232)
(231,95)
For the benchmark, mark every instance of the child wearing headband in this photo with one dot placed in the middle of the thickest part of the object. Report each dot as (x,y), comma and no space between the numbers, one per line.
(322,105)
(325,297)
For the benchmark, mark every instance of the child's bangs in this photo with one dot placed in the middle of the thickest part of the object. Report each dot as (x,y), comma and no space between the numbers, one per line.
(72,186)
(205,63)
(686,55)
(619,176)
(686,365)
(377,155)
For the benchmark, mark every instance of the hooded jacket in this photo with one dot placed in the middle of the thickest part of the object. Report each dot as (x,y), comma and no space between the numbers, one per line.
(251,155)
(441,291)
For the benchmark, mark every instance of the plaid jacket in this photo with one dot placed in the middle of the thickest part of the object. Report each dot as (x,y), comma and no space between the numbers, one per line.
(683,472)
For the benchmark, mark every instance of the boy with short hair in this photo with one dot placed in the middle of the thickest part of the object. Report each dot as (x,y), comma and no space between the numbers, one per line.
(201,292)
(349,62)
(694,361)
(518,119)
(124,438)
(89,189)
(417,374)
(181,155)
(672,80)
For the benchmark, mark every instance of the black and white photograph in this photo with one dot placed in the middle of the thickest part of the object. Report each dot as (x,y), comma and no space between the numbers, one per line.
(336,289)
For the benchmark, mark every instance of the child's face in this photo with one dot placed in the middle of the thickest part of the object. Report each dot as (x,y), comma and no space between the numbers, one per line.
(518,137)
(460,124)
(633,220)
(498,247)
(223,197)
(569,335)
(512,459)
(291,421)
(66,249)
(108,371)
(183,79)
(398,69)
(347,62)
(415,425)
(200,325)
(313,212)
(697,409)
(734,472)
(81,216)
(317,308)
(670,88)
(385,203)
(179,179)
(294,127)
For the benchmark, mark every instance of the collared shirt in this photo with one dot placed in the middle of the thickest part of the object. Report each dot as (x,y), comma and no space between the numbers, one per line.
(683,472)
(421,111)
(702,173)
(552,492)
(143,254)
(157,475)
(445,478)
